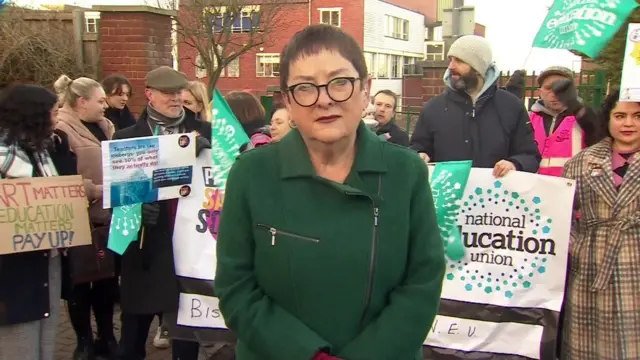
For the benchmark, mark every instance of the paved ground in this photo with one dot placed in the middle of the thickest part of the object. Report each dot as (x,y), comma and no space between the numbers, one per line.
(67,339)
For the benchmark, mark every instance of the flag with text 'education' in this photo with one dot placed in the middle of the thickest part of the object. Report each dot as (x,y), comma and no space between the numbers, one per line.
(584,26)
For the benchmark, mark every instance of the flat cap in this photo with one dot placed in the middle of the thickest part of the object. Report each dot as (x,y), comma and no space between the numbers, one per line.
(555,70)
(165,78)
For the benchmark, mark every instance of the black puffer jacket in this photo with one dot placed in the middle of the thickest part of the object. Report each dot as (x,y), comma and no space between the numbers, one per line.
(496,127)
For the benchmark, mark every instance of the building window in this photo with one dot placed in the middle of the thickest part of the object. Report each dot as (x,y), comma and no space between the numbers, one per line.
(368,59)
(91,21)
(437,33)
(233,68)
(201,69)
(397,28)
(330,16)
(267,65)
(410,67)
(396,66)
(434,50)
(383,66)
(245,21)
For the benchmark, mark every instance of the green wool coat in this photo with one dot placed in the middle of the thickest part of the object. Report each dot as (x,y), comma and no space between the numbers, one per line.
(305,263)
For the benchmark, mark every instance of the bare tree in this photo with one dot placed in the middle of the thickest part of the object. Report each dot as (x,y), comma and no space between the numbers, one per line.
(223,30)
(35,47)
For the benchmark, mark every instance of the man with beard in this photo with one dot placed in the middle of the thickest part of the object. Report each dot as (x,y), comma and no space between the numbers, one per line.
(473,119)
(385,105)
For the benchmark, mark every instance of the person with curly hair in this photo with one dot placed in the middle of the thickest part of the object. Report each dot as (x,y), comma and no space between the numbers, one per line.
(30,281)
(602,316)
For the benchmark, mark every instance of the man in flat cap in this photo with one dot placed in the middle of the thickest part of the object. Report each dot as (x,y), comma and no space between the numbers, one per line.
(473,119)
(148,281)
(562,125)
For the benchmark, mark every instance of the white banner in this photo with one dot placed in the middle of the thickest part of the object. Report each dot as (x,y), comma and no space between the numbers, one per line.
(516,236)
(476,335)
(194,246)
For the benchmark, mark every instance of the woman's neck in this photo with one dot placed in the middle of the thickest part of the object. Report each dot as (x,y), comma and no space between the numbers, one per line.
(625,148)
(333,161)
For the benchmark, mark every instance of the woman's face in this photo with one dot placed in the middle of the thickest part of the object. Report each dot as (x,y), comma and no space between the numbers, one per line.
(624,126)
(280,124)
(331,118)
(92,109)
(190,102)
(119,97)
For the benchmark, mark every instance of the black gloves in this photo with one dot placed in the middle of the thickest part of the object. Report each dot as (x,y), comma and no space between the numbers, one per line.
(201,144)
(150,213)
(566,92)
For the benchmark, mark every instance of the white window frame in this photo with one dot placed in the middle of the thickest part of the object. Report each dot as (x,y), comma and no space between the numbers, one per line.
(390,25)
(264,73)
(232,69)
(331,10)
(399,61)
(437,56)
(246,12)
(383,66)
(91,18)
(201,71)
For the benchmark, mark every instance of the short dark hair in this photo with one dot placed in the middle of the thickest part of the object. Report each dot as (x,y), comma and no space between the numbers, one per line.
(275,107)
(246,107)
(607,107)
(315,38)
(25,116)
(388,93)
(113,83)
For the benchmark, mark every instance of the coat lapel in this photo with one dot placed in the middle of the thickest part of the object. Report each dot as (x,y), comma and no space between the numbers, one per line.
(599,173)
(71,119)
(630,188)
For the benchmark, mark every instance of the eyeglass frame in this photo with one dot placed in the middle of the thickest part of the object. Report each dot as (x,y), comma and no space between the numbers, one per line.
(351,79)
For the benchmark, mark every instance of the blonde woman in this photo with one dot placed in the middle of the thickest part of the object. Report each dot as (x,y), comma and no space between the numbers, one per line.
(82,119)
(195,98)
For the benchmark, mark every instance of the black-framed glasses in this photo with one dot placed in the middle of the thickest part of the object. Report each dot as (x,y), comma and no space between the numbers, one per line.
(339,89)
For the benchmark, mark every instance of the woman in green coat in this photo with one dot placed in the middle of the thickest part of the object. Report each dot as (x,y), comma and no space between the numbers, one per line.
(328,246)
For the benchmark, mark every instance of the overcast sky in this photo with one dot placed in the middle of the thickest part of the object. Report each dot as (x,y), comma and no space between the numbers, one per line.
(511,27)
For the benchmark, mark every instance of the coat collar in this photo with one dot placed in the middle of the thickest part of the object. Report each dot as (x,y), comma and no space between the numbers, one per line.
(70,117)
(295,160)
(600,176)
(203,128)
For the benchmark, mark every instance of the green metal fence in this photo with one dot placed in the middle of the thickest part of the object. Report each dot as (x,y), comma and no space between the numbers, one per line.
(591,85)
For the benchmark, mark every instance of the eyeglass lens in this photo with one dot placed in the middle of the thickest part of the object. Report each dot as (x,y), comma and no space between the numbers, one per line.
(338,89)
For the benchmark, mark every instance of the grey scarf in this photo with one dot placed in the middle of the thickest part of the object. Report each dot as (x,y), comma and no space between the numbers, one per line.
(167,125)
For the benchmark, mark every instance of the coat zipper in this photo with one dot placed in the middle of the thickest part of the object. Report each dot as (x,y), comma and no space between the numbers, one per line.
(275,232)
(374,255)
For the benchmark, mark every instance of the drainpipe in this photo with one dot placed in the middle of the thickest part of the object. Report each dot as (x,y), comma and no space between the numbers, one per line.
(309,12)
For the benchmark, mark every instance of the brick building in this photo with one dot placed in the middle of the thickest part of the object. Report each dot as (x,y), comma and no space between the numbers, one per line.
(391,33)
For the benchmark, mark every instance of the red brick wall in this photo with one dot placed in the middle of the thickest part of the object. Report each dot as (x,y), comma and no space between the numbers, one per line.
(294,19)
(480,30)
(132,44)
(432,84)
(428,8)
(352,16)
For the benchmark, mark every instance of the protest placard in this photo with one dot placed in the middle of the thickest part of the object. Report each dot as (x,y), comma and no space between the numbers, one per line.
(630,80)
(147,169)
(43,213)
(507,290)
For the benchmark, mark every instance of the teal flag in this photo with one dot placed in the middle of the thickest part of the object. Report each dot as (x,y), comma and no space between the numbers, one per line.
(584,26)
(125,224)
(227,136)
(448,181)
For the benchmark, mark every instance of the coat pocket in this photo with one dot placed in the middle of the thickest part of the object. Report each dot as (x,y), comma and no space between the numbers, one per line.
(277,234)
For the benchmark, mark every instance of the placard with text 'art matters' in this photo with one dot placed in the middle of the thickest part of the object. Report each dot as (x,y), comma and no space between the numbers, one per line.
(43,213)
(504,296)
